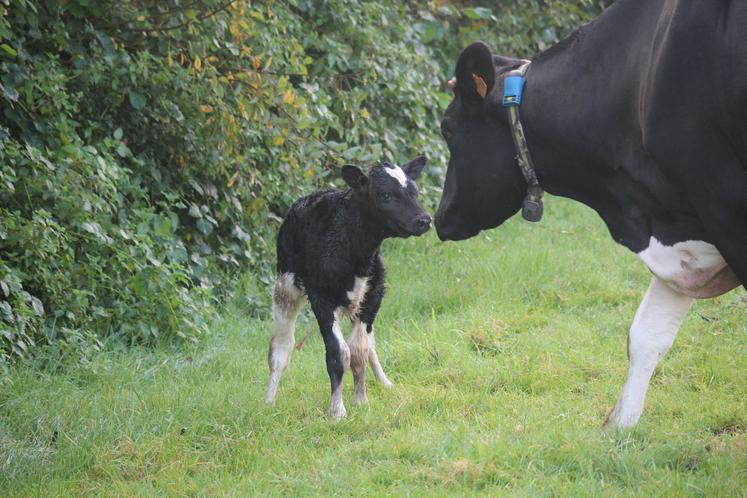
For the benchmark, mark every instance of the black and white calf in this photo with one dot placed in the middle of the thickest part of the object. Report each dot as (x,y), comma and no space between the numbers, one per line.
(328,251)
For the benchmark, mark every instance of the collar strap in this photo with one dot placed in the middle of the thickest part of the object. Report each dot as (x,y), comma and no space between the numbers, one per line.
(513,87)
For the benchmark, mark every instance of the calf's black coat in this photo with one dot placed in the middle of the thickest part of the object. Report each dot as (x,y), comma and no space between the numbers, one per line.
(333,237)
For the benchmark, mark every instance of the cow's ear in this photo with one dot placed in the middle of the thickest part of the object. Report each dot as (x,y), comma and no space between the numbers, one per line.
(354,177)
(475,74)
(415,167)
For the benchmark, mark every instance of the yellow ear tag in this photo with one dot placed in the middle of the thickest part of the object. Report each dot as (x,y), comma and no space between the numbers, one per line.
(480,85)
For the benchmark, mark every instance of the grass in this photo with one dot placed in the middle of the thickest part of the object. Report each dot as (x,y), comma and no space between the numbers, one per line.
(507,351)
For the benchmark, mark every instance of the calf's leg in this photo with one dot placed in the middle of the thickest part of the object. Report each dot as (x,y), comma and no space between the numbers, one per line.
(337,352)
(654,328)
(374,361)
(369,310)
(358,345)
(287,301)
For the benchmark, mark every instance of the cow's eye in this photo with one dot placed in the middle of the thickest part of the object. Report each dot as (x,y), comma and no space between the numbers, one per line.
(445,131)
(385,196)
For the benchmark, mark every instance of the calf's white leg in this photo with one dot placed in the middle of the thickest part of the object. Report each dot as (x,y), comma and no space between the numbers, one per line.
(287,301)
(374,361)
(358,345)
(654,328)
(336,405)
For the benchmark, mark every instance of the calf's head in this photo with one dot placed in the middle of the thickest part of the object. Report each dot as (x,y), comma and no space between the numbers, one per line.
(388,194)
(484,185)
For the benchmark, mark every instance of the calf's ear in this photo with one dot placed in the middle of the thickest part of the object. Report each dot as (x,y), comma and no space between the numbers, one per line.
(354,177)
(475,74)
(415,167)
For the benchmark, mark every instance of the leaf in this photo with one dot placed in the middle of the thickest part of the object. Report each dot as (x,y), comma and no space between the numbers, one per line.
(479,13)
(8,49)
(5,288)
(7,311)
(118,134)
(204,226)
(92,228)
(106,43)
(122,150)
(198,64)
(137,100)
(206,108)
(232,180)
(37,305)
(9,92)
(194,211)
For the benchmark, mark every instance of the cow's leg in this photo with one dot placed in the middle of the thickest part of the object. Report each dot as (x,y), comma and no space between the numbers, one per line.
(653,331)
(287,301)
(358,344)
(369,310)
(337,352)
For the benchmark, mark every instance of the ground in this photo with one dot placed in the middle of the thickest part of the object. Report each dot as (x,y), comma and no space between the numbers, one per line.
(506,351)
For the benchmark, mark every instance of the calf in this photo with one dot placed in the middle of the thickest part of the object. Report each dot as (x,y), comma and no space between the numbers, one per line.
(328,251)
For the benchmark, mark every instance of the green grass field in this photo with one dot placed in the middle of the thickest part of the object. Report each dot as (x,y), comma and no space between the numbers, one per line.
(506,351)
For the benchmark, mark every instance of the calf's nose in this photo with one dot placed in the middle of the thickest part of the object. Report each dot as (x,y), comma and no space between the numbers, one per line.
(424,222)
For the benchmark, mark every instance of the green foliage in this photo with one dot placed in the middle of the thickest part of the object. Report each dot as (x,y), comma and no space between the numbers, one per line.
(148,150)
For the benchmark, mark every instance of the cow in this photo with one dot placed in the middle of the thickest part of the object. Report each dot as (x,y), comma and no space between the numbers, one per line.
(328,250)
(641,115)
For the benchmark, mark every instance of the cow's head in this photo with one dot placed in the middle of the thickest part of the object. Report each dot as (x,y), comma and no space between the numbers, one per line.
(484,185)
(389,194)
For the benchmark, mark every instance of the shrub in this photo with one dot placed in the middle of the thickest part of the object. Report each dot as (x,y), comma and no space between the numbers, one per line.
(148,150)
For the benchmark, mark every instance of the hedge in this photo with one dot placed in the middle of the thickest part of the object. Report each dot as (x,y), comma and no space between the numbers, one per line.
(148,149)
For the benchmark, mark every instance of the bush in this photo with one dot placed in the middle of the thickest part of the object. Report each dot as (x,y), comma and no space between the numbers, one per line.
(149,149)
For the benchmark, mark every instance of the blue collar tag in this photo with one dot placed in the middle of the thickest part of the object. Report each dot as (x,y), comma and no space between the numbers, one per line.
(513,86)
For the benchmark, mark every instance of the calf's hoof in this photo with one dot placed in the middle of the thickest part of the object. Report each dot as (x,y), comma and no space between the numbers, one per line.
(272,391)
(337,412)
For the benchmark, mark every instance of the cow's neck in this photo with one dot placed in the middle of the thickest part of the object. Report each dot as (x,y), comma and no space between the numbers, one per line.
(578,107)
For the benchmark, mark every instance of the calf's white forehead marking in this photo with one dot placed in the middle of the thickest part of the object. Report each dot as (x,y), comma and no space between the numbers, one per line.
(398,174)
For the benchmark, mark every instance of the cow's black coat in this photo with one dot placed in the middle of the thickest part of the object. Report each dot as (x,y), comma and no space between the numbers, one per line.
(641,115)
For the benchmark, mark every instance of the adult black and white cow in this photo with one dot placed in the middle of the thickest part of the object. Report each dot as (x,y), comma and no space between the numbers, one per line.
(641,115)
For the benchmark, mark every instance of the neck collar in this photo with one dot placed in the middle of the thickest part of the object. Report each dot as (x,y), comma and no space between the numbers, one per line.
(513,87)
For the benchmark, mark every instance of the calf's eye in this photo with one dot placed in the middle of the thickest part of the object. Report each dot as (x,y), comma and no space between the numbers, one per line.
(385,196)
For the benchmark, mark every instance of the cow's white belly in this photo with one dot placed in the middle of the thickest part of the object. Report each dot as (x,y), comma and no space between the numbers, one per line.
(693,267)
